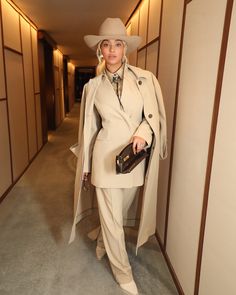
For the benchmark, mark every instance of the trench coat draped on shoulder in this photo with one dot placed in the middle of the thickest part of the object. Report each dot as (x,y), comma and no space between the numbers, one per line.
(89,126)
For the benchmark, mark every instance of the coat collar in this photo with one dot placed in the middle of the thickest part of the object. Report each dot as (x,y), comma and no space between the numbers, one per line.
(138,73)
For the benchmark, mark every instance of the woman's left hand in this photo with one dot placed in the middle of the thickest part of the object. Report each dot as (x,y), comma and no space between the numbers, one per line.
(138,144)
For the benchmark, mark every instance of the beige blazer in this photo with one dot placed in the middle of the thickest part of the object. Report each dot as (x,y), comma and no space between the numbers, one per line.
(154,114)
(116,129)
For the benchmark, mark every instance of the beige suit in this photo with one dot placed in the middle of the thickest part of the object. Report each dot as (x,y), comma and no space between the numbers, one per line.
(115,131)
(119,122)
(154,114)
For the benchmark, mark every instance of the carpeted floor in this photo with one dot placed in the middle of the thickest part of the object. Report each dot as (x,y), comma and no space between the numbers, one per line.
(35,223)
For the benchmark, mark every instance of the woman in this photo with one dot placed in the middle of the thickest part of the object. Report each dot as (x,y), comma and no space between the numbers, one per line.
(122,104)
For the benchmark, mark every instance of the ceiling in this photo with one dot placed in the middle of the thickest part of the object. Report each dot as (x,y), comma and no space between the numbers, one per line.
(67,21)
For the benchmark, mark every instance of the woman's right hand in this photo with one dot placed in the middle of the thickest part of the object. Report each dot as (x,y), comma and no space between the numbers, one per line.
(86,183)
(85,176)
(138,144)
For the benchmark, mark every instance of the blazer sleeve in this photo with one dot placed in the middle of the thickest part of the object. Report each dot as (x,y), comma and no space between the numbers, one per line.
(76,147)
(162,119)
(95,127)
(145,131)
(91,134)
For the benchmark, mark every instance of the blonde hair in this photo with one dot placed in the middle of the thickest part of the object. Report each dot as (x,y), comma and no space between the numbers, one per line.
(101,62)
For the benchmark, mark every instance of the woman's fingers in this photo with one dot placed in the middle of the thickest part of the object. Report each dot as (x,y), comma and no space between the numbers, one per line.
(85,176)
(138,144)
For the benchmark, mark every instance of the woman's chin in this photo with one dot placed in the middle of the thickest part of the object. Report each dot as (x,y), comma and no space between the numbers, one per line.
(113,63)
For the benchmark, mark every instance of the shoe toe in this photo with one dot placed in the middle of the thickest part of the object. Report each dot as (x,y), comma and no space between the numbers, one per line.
(100,252)
(130,288)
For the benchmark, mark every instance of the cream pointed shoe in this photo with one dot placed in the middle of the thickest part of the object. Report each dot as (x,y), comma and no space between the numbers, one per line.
(100,252)
(130,288)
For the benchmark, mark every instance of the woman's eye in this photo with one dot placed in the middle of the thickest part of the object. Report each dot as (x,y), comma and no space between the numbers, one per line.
(105,44)
(118,45)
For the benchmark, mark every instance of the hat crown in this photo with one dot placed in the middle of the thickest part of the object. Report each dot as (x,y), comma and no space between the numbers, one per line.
(112,27)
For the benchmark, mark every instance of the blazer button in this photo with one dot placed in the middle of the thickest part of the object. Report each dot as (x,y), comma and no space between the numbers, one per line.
(140,82)
(150,116)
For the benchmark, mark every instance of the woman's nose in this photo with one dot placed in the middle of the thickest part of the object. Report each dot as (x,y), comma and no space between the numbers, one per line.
(112,47)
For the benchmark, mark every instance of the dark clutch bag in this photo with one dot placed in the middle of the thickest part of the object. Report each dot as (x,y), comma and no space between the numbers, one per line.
(126,161)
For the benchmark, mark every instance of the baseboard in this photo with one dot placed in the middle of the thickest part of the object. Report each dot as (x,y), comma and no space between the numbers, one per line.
(168,262)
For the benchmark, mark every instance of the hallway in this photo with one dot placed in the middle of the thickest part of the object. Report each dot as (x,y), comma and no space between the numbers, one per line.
(35,223)
(189,46)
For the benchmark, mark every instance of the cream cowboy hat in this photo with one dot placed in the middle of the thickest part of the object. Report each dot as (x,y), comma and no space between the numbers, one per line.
(113,28)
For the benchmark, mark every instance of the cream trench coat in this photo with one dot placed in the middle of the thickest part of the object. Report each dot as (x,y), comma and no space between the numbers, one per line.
(154,113)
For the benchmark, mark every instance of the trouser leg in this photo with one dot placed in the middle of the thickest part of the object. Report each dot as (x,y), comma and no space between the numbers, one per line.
(100,242)
(110,204)
(128,210)
(127,201)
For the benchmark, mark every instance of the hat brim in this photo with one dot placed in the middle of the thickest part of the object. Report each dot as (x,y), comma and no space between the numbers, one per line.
(132,41)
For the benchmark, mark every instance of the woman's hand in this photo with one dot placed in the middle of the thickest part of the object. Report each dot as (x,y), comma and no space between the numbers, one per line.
(138,144)
(85,176)
(86,182)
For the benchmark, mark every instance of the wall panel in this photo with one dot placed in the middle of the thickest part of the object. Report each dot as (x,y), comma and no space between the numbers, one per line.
(59,88)
(39,120)
(134,31)
(128,29)
(152,55)
(154,19)
(11,26)
(71,84)
(35,59)
(142,58)
(57,107)
(29,86)
(2,76)
(218,262)
(17,112)
(143,19)
(62,92)
(5,160)
(167,75)
(200,58)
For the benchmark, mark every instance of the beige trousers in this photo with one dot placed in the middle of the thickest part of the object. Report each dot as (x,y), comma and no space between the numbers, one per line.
(112,202)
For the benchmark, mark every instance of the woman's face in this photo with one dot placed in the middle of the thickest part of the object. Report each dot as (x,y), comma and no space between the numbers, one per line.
(112,51)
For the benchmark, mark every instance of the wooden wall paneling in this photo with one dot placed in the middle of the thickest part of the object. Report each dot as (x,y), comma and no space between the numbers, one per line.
(57,97)
(26,117)
(61,87)
(134,31)
(29,87)
(128,29)
(62,94)
(17,112)
(154,19)
(55,58)
(141,62)
(169,58)
(72,84)
(2,75)
(159,37)
(143,22)
(5,156)
(152,54)
(215,264)
(202,40)
(34,41)
(69,87)
(65,84)
(11,28)
(39,120)
(71,71)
